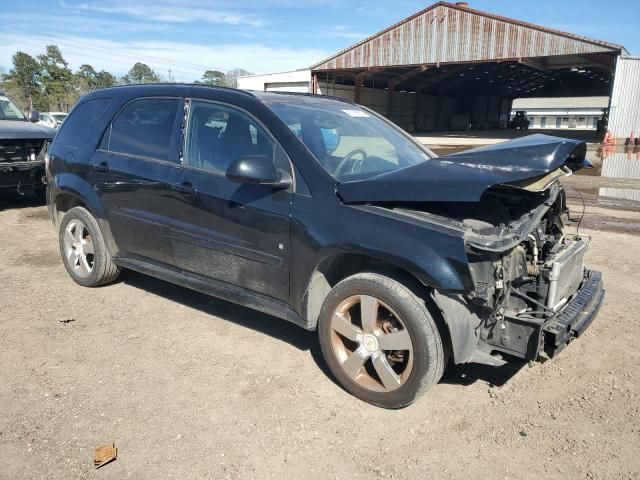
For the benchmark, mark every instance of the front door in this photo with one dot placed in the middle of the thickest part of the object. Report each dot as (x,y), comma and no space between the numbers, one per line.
(135,169)
(227,231)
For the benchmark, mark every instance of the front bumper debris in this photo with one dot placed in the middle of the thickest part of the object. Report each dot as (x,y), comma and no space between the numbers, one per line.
(22,174)
(578,314)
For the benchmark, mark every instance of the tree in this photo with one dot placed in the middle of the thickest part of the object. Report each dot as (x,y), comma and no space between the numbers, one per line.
(231,78)
(25,76)
(89,80)
(57,79)
(104,79)
(213,77)
(140,73)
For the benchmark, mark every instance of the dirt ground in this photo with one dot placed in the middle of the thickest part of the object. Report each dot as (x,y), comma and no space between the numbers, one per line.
(188,386)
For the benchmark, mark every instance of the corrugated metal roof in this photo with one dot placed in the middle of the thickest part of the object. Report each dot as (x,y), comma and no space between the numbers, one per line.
(449,33)
(624,116)
(560,102)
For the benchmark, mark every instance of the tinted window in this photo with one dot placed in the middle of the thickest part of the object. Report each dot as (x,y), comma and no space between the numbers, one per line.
(82,118)
(143,128)
(219,135)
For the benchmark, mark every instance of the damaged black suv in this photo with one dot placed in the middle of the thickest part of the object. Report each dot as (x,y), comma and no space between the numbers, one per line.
(23,147)
(321,212)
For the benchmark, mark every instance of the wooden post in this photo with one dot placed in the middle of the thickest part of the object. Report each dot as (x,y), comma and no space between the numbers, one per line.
(314,83)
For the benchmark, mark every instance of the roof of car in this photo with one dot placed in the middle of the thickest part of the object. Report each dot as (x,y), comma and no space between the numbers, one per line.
(268,97)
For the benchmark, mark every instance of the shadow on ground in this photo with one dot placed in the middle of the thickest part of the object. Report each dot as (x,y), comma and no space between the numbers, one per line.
(227,311)
(293,335)
(11,199)
(469,373)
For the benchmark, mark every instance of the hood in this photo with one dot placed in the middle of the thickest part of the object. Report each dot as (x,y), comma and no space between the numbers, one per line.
(464,177)
(23,130)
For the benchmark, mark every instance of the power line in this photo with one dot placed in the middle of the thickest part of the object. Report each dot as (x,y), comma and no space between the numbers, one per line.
(134,56)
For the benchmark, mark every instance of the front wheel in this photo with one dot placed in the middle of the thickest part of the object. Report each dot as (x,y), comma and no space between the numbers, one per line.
(380,341)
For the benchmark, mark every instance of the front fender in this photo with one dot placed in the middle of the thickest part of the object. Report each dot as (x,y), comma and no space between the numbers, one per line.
(434,254)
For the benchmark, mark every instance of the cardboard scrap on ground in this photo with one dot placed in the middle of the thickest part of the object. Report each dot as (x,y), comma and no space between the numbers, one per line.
(104,454)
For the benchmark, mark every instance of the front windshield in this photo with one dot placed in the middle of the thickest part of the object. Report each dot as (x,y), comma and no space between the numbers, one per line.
(9,110)
(349,142)
(59,116)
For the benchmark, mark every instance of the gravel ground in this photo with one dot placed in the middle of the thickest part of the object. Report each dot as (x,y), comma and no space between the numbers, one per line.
(188,386)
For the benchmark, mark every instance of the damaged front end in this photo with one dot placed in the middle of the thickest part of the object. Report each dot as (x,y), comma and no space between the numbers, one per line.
(22,163)
(531,285)
(531,292)
(23,147)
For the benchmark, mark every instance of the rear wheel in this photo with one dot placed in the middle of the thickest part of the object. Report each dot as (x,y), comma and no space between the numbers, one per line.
(84,253)
(380,341)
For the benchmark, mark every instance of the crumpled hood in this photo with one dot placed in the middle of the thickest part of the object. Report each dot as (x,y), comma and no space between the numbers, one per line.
(463,177)
(20,130)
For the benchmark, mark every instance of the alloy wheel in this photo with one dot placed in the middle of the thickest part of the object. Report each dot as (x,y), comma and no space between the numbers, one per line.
(78,248)
(371,343)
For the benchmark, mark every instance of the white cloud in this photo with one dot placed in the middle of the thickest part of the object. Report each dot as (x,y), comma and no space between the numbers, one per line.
(187,61)
(341,31)
(169,12)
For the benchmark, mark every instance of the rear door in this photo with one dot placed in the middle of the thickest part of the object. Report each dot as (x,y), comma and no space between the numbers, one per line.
(227,231)
(135,168)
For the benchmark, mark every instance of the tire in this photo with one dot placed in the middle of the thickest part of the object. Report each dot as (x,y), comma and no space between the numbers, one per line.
(84,253)
(417,364)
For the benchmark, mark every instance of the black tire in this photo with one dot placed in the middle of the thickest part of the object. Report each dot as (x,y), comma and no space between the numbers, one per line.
(102,270)
(428,352)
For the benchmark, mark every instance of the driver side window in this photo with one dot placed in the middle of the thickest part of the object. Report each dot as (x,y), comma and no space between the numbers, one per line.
(218,135)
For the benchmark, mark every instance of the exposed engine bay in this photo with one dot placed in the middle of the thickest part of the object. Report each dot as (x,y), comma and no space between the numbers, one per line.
(525,265)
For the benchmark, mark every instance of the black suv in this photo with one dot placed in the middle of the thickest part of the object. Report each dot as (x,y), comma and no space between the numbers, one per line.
(23,146)
(321,212)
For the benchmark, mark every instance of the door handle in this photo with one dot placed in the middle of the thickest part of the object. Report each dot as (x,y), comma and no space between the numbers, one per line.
(185,188)
(101,167)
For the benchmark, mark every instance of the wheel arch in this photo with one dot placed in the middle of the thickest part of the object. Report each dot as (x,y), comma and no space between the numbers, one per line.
(72,191)
(335,268)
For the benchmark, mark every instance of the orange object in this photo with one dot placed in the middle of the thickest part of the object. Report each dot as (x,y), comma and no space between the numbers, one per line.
(104,454)
(608,139)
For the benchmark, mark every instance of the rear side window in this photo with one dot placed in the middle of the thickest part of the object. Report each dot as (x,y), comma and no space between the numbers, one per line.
(143,128)
(77,126)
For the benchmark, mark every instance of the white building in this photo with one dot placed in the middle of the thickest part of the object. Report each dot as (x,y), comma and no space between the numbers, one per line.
(579,113)
(298,81)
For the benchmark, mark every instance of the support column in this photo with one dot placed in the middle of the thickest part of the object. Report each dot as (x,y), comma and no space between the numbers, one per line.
(358,85)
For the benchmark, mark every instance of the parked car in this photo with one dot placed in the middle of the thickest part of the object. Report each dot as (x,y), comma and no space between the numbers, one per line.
(402,261)
(52,119)
(23,146)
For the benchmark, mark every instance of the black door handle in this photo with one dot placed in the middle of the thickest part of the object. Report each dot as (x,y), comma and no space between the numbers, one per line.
(185,188)
(101,167)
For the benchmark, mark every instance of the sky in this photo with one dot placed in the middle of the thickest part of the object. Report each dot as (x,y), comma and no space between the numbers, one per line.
(188,37)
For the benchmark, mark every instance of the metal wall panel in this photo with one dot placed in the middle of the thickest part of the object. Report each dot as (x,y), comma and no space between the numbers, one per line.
(446,33)
(624,115)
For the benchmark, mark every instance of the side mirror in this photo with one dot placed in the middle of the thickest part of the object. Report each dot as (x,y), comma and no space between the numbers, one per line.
(34,116)
(258,170)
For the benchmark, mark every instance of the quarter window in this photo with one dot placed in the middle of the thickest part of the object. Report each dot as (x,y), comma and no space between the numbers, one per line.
(80,121)
(219,135)
(144,128)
